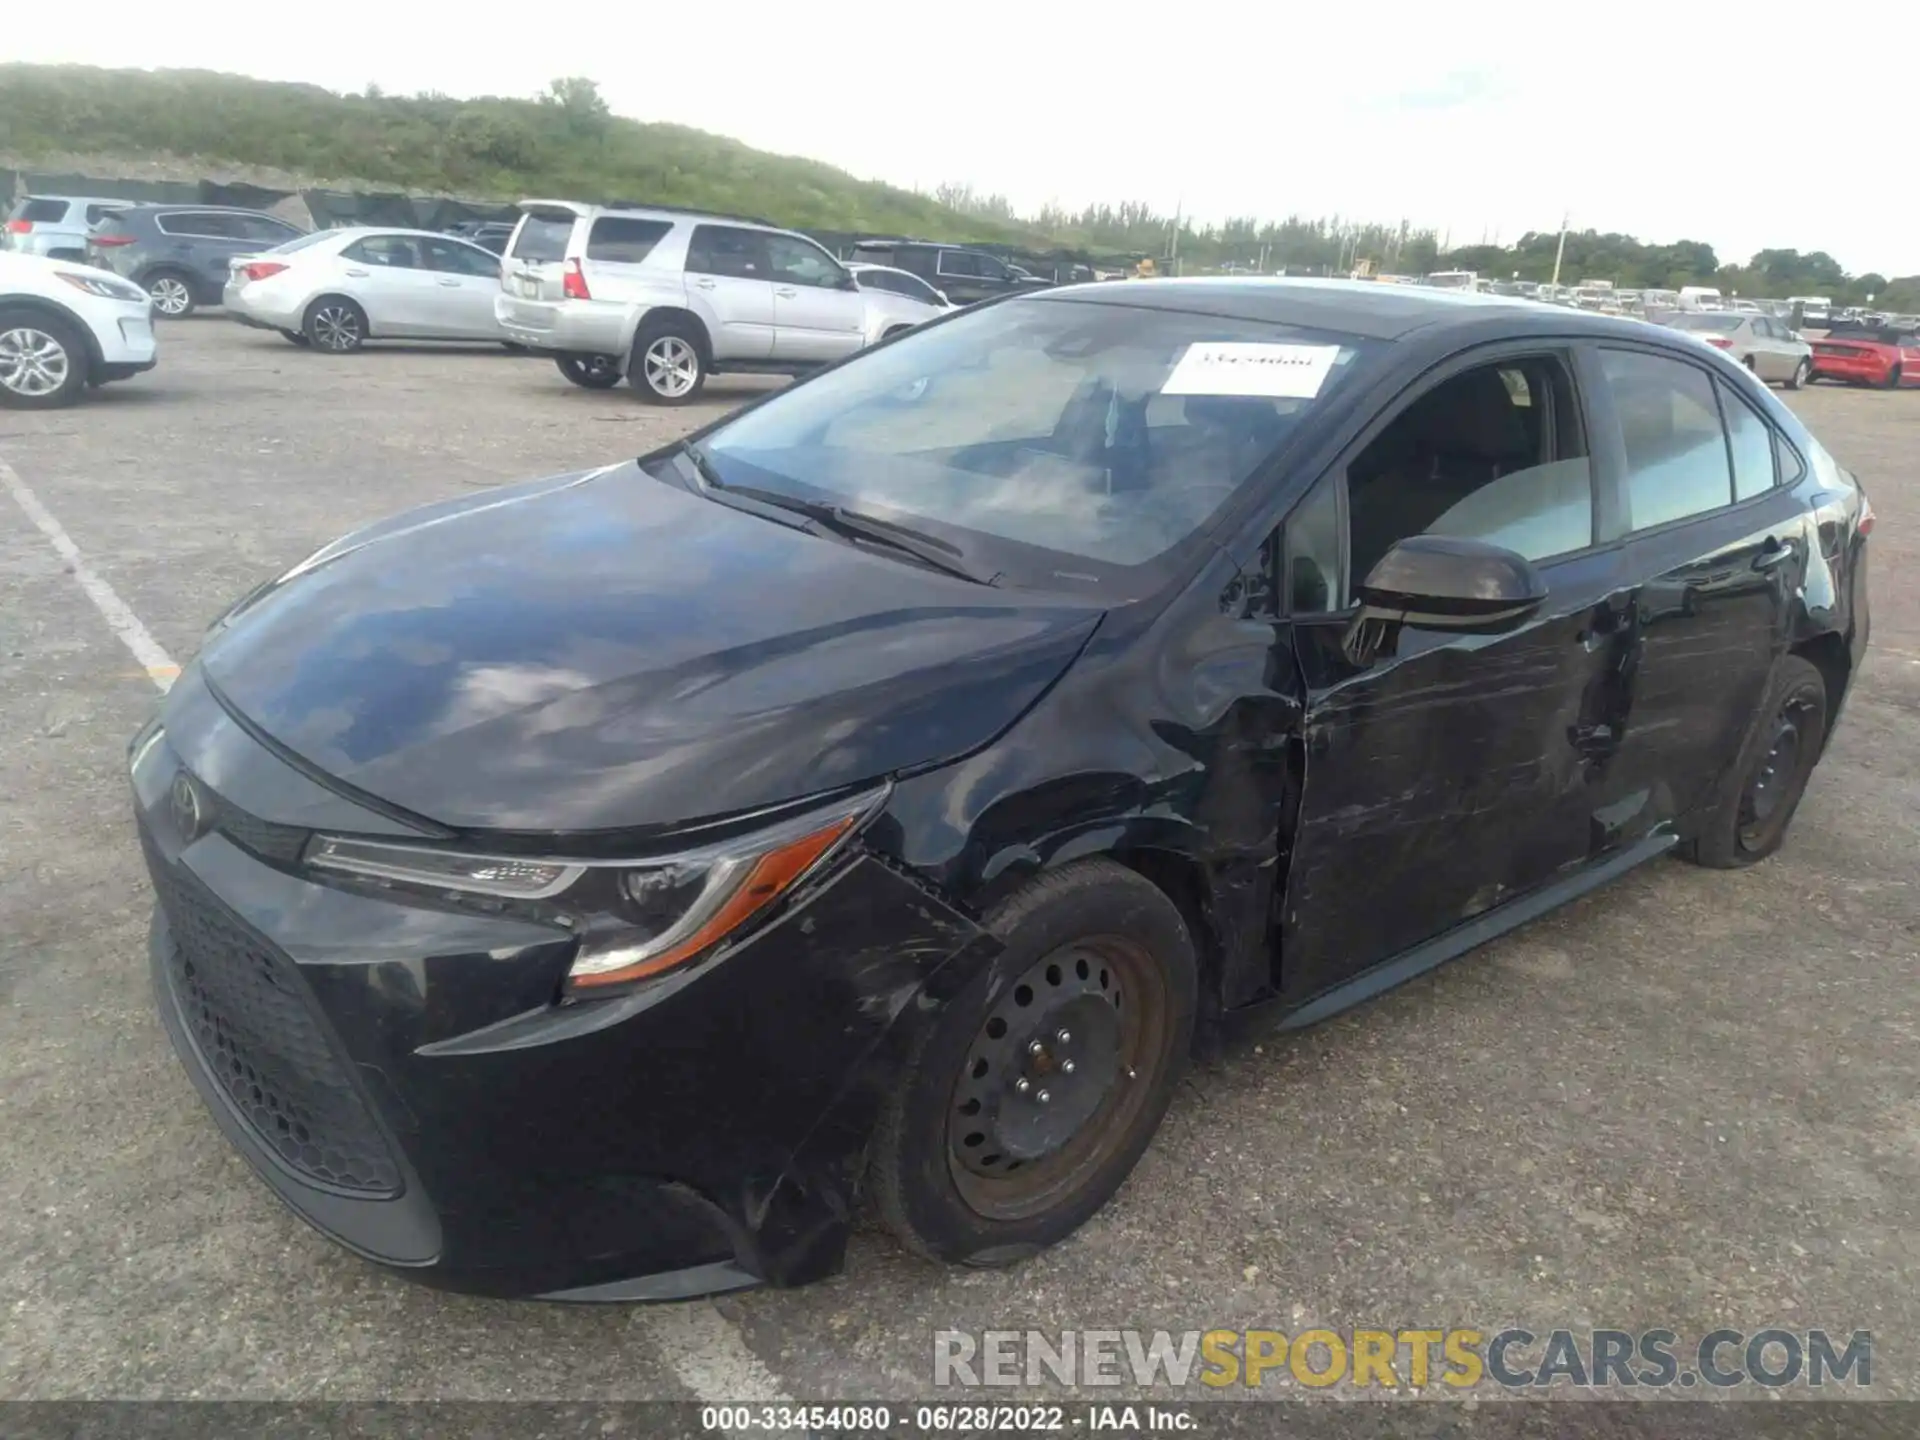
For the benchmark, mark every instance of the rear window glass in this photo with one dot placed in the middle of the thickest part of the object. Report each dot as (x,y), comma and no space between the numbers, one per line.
(542,238)
(1702,322)
(41,212)
(624,240)
(299,242)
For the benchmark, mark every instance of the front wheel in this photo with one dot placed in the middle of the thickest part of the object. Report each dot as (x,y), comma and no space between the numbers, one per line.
(669,363)
(1759,795)
(589,372)
(43,362)
(294,337)
(335,324)
(1028,1098)
(1802,373)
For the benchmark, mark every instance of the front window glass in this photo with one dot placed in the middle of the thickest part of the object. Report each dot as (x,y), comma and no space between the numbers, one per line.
(1100,431)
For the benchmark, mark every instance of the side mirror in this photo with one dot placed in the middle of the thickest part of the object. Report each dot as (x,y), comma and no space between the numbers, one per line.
(1439,582)
(847,282)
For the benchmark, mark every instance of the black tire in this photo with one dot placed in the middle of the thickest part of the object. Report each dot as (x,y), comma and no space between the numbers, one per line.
(589,372)
(171,292)
(670,347)
(1760,793)
(43,361)
(335,325)
(296,337)
(946,1201)
(1802,375)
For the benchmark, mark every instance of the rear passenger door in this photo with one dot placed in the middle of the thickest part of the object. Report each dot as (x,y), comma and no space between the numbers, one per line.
(466,279)
(1717,547)
(730,287)
(818,313)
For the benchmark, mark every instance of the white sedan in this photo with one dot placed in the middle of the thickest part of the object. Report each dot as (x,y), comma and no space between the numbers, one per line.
(896,300)
(337,289)
(65,326)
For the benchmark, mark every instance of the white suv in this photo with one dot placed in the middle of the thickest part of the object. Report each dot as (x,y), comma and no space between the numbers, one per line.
(669,297)
(65,326)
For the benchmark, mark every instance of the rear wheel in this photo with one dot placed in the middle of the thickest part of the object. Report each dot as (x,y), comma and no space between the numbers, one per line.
(1030,1096)
(669,364)
(589,372)
(1802,375)
(172,296)
(43,361)
(1761,792)
(335,324)
(294,337)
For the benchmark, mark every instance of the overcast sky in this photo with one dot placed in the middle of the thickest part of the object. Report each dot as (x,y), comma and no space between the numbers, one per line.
(1679,120)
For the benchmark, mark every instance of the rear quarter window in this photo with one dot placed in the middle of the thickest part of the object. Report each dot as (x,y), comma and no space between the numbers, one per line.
(41,211)
(624,240)
(543,238)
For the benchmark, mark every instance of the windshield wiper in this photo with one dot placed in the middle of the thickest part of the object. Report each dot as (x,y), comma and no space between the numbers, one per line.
(851,524)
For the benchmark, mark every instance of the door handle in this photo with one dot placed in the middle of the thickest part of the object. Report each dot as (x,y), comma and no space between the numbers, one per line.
(450,282)
(352,271)
(786,292)
(703,284)
(1772,556)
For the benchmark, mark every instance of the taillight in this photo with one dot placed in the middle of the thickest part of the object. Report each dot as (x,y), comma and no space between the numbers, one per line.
(1719,342)
(261,269)
(574,286)
(1865,527)
(107,242)
(19,227)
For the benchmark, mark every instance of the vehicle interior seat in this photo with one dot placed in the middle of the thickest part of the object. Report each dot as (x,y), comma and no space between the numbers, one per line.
(1448,444)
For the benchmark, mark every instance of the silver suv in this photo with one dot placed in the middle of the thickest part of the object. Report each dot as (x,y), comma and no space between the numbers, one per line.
(669,297)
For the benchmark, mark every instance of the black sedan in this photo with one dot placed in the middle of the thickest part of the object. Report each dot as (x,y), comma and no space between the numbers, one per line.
(595,889)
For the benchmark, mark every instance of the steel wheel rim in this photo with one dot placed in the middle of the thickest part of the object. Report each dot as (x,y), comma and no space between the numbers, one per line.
(1771,789)
(1007,1157)
(169,296)
(671,366)
(336,327)
(33,363)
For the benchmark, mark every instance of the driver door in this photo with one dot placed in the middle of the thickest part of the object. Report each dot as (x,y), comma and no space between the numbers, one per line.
(1446,773)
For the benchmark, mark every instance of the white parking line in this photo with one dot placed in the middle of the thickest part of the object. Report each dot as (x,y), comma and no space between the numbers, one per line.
(123,622)
(708,1354)
(705,1351)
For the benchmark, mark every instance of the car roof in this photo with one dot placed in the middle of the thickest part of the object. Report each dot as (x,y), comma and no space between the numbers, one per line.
(588,209)
(1364,308)
(71,199)
(150,207)
(359,230)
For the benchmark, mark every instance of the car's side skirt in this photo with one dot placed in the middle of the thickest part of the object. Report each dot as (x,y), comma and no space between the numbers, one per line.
(1431,954)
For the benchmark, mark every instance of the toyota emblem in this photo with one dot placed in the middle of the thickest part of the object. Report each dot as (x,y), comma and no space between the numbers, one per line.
(189,816)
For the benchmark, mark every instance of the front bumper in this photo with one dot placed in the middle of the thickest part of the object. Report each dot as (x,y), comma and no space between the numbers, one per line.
(404,1077)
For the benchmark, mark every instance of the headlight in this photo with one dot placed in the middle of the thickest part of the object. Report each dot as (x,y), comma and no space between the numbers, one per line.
(104,286)
(637,918)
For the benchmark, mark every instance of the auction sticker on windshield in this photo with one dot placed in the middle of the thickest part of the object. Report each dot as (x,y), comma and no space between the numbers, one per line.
(1231,367)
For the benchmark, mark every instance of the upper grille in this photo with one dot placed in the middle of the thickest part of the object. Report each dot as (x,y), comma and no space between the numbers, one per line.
(263,1045)
(268,839)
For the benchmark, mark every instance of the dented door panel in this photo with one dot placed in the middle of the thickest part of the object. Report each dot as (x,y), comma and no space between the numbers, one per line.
(1449,774)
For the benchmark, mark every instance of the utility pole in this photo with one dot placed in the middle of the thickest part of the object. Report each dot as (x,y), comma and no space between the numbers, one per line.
(1560,250)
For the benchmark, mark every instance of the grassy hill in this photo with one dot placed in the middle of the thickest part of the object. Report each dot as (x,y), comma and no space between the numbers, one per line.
(565,143)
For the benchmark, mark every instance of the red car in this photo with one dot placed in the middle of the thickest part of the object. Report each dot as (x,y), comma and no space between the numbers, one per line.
(1868,355)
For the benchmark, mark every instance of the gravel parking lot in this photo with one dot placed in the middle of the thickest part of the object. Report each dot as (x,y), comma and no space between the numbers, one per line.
(1691,1101)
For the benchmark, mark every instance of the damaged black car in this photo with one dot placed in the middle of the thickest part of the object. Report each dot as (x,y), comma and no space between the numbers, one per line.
(600,888)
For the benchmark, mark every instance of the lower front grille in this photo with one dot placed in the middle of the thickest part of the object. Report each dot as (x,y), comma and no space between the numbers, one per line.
(259,1038)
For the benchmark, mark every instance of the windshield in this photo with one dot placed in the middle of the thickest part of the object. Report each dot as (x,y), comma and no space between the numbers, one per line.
(1099,431)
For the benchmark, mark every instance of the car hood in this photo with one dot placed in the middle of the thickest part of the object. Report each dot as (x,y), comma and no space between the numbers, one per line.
(610,651)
